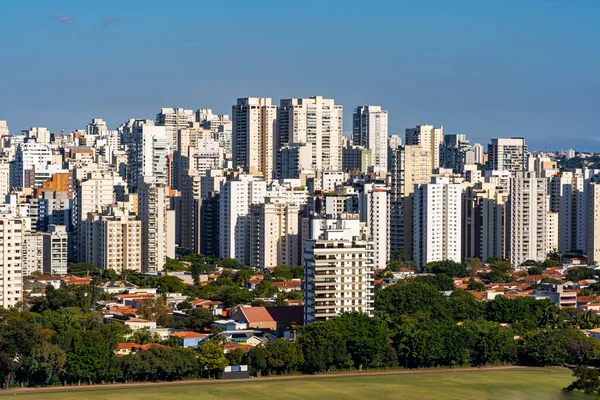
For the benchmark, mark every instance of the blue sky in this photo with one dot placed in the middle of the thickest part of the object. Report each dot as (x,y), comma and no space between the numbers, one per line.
(484,68)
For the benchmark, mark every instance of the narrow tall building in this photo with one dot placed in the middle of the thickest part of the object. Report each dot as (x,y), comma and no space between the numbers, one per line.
(254,143)
(568,200)
(437,222)
(158,236)
(370,130)
(174,119)
(593,224)
(11,269)
(529,207)
(374,207)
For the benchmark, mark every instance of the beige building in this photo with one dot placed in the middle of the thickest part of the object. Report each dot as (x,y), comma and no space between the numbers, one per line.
(484,222)
(11,270)
(274,233)
(430,139)
(317,121)
(338,277)
(117,235)
(254,136)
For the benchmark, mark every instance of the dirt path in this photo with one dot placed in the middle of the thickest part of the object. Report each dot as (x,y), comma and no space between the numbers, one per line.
(16,391)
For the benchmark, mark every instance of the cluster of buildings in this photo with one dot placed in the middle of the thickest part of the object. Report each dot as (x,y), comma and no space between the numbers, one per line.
(281,185)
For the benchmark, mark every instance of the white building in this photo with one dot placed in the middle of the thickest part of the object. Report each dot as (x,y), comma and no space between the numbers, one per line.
(370,130)
(528,217)
(30,158)
(39,134)
(437,217)
(593,223)
(254,132)
(158,225)
(235,200)
(147,155)
(11,267)
(478,153)
(568,199)
(317,121)
(374,207)
(507,154)
(56,250)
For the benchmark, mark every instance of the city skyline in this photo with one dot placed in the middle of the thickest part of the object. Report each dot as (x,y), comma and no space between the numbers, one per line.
(485,70)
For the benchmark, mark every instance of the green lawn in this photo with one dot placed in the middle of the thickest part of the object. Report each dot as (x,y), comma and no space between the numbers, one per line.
(504,385)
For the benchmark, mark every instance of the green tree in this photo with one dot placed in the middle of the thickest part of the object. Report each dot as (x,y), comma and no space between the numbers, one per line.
(578,274)
(235,356)
(476,286)
(170,284)
(156,310)
(211,359)
(586,380)
(234,295)
(535,270)
(297,272)
(175,266)
(282,273)
(448,267)
(464,306)
(442,282)
(366,339)
(410,298)
(199,319)
(82,269)
(283,356)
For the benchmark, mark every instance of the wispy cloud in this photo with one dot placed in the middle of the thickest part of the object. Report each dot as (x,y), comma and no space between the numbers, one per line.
(62,18)
(109,21)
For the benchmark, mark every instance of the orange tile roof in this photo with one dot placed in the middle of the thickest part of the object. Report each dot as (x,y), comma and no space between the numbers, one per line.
(256,314)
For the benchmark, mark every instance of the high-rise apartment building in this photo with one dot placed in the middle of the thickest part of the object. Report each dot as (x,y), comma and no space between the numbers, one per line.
(147,155)
(56,250)
(158,225)
(430,139)
(528,216)
(374,209)
(569,200)
(593,223)
(30,158)
(274,233)
(507,155)
(174,119)
(295,160)
(254,144)
(11,268)
(317,121)
(478,153)
(117,241)
(484,224)
(338,270)
(236,197)
(370,130)
(437,221)
(357,158)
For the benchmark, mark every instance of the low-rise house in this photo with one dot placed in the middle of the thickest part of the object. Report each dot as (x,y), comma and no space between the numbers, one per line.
(116,287)
(249,337)
(125,349)
(217,307)
(189,339)
(75,280)
(288,286)
(135,324)
(228,325)
(228,347)
(557,294)
(53,281)
(277,319)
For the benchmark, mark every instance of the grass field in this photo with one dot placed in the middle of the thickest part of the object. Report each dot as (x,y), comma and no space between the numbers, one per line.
(505,385)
